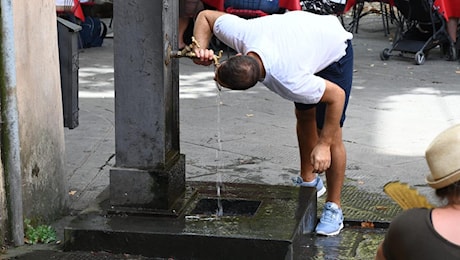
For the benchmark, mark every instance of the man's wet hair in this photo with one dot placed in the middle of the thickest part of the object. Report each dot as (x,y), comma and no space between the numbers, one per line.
(239,72)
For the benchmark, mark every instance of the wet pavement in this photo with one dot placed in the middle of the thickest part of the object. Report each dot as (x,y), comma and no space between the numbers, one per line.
(349,244)
(367,217)
(396,109)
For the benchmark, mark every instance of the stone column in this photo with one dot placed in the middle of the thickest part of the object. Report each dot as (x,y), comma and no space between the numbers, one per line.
(149,173)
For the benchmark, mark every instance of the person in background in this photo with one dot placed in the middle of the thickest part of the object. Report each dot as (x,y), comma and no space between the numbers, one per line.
(422,233)
(450,9)
(452,27)
(453,14)
(307,59)
(188,9)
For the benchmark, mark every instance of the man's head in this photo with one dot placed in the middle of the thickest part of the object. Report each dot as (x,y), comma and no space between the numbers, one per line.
(238,72)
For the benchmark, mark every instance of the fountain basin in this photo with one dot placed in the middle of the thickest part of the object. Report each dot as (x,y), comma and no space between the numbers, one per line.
(258,222)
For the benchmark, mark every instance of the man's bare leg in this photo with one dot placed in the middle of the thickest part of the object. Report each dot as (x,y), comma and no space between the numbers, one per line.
(307,137)
(183,24)
(331,222)
(336,174)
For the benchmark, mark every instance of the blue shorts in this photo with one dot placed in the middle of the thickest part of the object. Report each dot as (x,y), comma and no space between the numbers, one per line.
(341,73)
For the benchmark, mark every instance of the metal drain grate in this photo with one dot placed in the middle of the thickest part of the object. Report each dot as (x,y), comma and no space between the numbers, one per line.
(359,206)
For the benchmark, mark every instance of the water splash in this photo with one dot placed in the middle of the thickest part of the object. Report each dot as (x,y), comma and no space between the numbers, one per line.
(219,185)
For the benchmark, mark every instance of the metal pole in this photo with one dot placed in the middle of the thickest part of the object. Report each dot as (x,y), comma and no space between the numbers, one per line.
(10,140)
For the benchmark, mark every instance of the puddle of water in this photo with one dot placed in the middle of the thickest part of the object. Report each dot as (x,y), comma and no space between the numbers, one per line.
(351,243)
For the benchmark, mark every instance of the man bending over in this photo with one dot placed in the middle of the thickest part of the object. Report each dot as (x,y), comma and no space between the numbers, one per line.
(307,59)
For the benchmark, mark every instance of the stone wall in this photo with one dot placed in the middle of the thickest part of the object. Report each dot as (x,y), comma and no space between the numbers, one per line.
(41,132)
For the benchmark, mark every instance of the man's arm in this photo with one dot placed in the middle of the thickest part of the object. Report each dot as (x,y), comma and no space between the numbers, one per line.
(334,97)
(203,32)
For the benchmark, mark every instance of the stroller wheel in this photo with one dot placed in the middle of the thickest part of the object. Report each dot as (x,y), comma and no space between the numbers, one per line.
(385,54)
(452,53)
(419,58)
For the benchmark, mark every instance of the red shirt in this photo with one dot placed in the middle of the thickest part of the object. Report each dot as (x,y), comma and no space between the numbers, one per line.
(448,8)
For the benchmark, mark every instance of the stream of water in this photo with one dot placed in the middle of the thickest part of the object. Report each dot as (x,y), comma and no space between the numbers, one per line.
(220,209)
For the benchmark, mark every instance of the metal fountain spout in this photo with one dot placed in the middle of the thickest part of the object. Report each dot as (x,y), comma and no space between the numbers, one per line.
(188,52)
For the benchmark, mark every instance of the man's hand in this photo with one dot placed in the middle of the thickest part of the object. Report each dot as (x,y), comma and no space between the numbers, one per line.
(321,158)
(204,56)
(202,32)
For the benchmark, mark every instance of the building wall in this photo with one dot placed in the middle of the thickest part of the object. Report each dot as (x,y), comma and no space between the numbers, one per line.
(41,131)
(3,211)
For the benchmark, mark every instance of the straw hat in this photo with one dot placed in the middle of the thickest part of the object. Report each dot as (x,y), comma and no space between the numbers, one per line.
(443,158)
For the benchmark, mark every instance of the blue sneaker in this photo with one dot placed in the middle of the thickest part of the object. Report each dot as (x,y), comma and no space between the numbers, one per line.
(317,183)
(331,221)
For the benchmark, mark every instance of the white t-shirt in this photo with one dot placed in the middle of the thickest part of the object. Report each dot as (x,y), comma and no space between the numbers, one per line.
(293,47)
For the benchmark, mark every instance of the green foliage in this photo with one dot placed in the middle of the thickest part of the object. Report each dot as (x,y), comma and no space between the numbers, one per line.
(40,234)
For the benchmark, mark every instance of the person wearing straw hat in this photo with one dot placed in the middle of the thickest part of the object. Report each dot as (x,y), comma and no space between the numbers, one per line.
(422,233)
